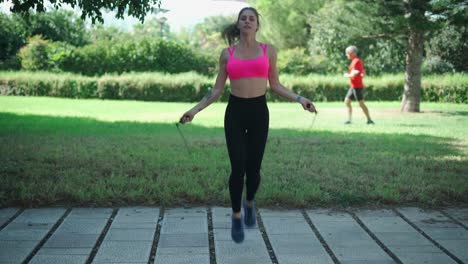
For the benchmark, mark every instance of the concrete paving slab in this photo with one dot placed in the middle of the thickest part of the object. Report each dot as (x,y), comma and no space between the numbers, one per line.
(94,228)
(130,234)
(280,213)
(15,251)
(123,251)
(368,262)
(31,226)
(6,214)
(428,258)
(296,242)
(184,236)
(435,223)
(303,259)
(249,234)
(45,215)
(185,225)
(185,231)
(351,244)
(246,248)
(182,250)
(286,225)
(113,249)
(290,234)
(460,214)
(69,240)
(132,225)
(360,253)
(23,235)
(90,213)
(59,259)
(183,259)
(28,226)
(75,238)
(401,238)
(183,240)
(137,215)
(64,251)
(446,233)
(185,212)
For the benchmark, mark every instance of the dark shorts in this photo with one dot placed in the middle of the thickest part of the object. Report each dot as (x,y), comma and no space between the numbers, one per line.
(353,93)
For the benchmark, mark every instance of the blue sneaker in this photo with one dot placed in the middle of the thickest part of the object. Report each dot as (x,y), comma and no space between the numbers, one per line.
(237,230)
(249,215)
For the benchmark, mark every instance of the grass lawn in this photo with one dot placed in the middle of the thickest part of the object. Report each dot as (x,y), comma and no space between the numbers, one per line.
(103,153)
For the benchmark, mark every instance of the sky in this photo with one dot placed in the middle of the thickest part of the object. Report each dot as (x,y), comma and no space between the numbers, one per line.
(182,13)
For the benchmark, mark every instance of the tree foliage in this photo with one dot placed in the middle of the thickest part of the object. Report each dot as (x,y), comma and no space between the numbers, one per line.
(90,8)
(284,23)
(56,26)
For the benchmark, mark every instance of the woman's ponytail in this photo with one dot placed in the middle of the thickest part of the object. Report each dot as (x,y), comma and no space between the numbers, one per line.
(231,33)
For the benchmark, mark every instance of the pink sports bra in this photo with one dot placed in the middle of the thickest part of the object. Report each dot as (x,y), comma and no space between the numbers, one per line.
(238,68)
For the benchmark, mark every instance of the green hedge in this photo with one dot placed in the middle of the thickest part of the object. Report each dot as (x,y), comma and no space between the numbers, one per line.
(190,87)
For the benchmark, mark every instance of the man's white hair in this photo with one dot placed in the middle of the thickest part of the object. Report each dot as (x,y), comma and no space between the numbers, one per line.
(351,49)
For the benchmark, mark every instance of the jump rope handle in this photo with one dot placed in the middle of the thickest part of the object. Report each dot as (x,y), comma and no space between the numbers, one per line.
(308,107)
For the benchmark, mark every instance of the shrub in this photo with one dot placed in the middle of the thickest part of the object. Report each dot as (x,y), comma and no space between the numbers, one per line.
(34,56)
(191,86)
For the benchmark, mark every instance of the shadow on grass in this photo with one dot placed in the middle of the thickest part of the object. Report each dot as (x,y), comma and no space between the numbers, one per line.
(451,113)
(81,161)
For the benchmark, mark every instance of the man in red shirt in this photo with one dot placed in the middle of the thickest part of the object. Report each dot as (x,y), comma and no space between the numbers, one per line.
(355,74)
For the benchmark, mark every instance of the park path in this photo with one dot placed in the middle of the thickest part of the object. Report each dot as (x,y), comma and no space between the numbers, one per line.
(202,235)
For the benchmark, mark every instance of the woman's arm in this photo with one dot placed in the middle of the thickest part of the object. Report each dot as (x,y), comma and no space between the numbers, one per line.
(279,89)
(213,94)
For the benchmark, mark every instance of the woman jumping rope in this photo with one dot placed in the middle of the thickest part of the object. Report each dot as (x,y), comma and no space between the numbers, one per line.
(249,64)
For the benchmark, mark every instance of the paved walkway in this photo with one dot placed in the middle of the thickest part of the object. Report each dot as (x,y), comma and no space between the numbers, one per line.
(201,235)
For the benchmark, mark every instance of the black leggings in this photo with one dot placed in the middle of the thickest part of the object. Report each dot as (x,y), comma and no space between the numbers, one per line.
(246,129)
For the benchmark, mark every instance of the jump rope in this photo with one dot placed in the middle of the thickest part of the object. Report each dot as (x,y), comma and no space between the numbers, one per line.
(189,150)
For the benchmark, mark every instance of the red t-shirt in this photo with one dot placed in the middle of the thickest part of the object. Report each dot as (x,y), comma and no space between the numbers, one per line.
(356,81)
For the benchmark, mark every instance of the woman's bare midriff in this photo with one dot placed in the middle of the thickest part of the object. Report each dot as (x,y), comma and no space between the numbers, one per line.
(248,87)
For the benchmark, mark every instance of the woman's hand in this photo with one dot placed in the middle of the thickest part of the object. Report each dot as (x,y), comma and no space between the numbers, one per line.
(187,117)
(306,104)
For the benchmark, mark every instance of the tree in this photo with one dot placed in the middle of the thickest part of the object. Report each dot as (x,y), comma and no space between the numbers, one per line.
(90,8)
(13,37)
(63,26)
(207,34)
(369,22)
(284,23)
(415,19)
(449,47)
(339,24)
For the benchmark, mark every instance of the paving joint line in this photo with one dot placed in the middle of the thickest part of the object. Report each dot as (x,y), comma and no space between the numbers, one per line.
(211,242)
(319,237)
(11,219)
(49,234)
(375,238)
(157,235)
(452,256)
(101,236)
(453,219)
(262,229)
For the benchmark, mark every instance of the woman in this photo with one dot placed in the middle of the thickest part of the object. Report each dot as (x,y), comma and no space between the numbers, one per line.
(249,64)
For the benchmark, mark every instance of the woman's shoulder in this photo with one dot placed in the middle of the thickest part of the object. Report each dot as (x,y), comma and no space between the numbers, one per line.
(225,53)
(270,48)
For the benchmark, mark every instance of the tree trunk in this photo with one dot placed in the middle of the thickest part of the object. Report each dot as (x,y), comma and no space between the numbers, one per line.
(414,57)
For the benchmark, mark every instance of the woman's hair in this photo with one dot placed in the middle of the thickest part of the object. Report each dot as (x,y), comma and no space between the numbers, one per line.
(231,33)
